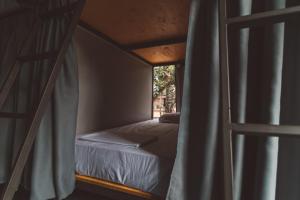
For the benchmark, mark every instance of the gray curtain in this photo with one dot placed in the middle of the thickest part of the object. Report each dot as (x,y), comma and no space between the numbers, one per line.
(50,172)
(264,69)
(195,164)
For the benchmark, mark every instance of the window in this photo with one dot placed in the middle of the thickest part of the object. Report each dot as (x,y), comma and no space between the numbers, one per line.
(164,90)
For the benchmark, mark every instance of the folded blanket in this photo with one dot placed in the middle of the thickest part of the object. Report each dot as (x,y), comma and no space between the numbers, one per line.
(170,118)
(126,139)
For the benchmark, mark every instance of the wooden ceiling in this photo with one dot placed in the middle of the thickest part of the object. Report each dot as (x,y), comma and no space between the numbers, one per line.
(163,54)
(153,29)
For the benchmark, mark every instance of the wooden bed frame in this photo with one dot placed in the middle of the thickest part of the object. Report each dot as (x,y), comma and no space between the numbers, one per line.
(113,190)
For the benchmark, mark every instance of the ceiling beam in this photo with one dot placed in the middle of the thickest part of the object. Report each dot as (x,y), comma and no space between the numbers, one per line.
(156,43)
(169,63)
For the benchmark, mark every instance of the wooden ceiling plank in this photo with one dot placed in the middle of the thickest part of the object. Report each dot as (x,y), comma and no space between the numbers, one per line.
(156,43)
(135,21)
(154,31)
(162,54)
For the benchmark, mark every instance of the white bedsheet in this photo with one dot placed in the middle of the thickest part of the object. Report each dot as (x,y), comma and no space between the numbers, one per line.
(130,139)
(147,168)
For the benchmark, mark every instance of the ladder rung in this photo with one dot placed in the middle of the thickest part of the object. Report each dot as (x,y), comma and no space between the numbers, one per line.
(266,129)
(13,12)
(36,116)
(273,16)
(41,56)
(57,12)
(12,115)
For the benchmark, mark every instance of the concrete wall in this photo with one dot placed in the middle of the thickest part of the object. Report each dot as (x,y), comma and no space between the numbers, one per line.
(115,88)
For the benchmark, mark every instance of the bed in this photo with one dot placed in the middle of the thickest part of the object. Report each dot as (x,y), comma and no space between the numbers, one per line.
(139,155)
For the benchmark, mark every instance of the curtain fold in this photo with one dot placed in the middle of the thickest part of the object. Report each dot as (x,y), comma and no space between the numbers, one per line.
(197,142)
(264,89)
(288,174)
(50,172)
(13,31)
(265,59)
(239,65)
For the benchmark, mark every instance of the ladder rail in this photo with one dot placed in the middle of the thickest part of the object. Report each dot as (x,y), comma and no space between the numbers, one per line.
(26,147)
(266,130)
(226,113)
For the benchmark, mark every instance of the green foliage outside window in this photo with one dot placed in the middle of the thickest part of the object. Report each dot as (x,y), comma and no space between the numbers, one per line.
(164,84)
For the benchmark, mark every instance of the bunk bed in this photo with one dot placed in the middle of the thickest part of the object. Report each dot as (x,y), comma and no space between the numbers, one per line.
(136,158)
(138,46)
(156,153)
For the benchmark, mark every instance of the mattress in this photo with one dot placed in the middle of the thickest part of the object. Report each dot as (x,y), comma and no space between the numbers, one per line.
(130,139)
(147,167)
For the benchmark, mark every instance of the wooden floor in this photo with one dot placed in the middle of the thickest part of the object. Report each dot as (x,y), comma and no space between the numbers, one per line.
(80,195)
(77,195)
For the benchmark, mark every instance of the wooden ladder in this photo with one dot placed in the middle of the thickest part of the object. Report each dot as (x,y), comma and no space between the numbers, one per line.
(229,128)
(74,10)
